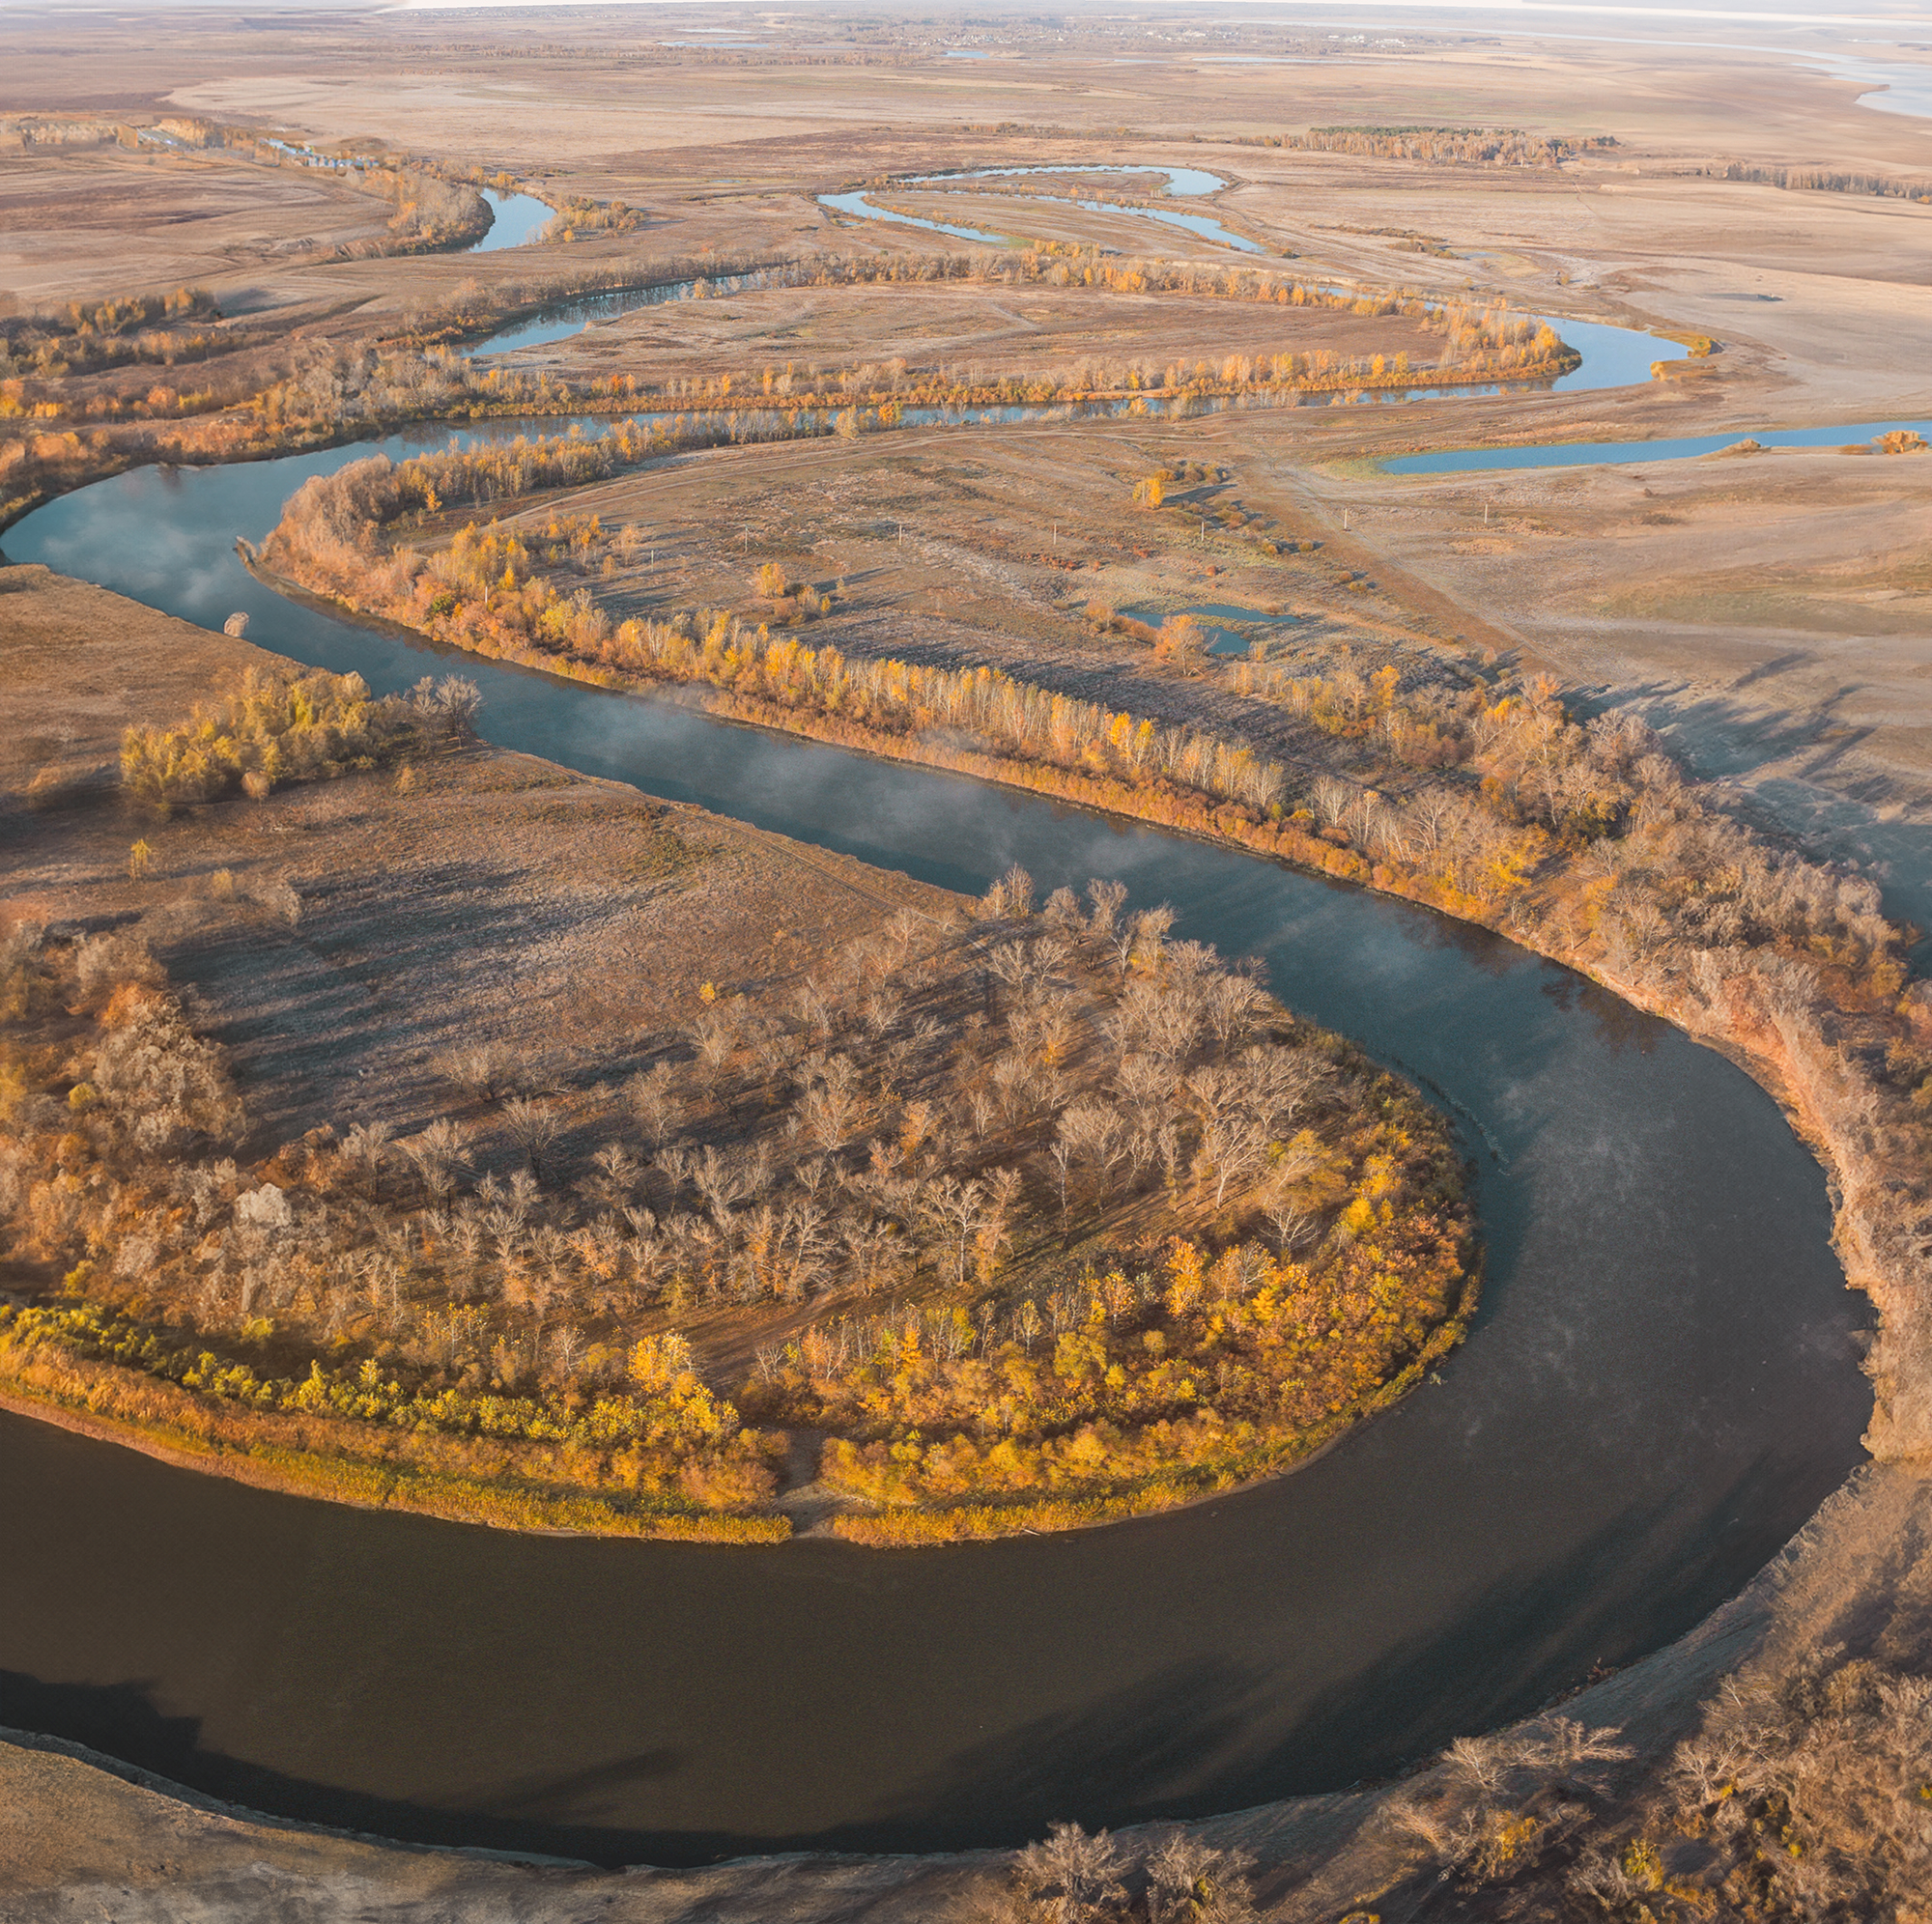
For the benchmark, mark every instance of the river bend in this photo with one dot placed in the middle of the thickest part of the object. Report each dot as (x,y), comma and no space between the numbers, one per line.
(1660,1388)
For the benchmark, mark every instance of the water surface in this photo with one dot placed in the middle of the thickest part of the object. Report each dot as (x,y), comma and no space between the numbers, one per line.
(1659,1390)
(1611,358)
(517,218)
(1625,453)
(1181,181)
(558,321)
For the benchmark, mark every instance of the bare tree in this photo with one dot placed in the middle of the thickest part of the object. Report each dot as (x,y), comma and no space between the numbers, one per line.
(654,1101)
(438,1155)
(1072,1878)
(1062,910)
(480,1069)
(534,1128)
(1190,1883)
(1106,898)
(367,1146)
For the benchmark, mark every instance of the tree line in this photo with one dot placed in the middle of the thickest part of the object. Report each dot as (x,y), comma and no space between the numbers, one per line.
(487,591)
(1481,146)
(273,729)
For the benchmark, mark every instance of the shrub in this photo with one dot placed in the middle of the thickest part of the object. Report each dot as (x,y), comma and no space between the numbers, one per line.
(276,729)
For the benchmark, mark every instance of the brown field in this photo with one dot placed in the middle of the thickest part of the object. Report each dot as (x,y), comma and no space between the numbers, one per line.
(955,546)
(1032,331)
(505,899)
(96,222)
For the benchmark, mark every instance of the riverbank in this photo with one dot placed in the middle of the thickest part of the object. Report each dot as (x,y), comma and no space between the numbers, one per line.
(1803,1017)
(333,1464)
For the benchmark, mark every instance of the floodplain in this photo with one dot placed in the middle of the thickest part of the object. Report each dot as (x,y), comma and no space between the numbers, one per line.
(619,1167)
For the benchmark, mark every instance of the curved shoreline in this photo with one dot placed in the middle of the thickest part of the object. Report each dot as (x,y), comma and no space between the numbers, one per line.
(104,1400)
(239,1466)
(1636,996)
(1745,1047)
(190,1842)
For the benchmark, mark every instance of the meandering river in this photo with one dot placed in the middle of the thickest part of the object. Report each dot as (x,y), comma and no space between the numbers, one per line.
(1182,181)
(1660,1388)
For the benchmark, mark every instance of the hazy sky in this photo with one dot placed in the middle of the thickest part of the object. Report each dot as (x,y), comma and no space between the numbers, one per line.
(1890,17)
(1909,16)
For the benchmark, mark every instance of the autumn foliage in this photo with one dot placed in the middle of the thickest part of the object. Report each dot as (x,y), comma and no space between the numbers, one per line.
(1042,1216)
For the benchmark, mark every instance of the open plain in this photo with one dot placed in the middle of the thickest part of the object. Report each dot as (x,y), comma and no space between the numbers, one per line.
(1106,494)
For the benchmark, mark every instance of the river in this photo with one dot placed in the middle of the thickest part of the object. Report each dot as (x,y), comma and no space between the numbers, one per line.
(1183,182)
(515,219)
(1660,1388)
(1629,453)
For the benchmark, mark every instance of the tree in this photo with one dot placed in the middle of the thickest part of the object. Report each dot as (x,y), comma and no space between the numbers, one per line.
(1189,1882)
(1072,1878)
(534,1127)
(655,1103)
(1094,1139)
(480,1068)
(436,1154)
(367,1144)
(1179,639)
(1106,898)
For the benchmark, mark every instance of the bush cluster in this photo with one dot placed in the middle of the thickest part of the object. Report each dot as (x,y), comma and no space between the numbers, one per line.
(276,727)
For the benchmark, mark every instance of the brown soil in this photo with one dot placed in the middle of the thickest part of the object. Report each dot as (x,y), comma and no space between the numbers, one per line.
(505,899)
(98,223)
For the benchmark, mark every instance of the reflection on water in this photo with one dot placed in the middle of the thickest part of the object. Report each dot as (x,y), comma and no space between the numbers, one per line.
(519,217)
(1659,1390)
(1898,86)
(1612,357)
(1179,180)
(562,319)
(1616,454)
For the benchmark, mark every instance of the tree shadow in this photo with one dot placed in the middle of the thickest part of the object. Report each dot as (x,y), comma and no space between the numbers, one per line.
(1194,1738)
(1619,1025)
(134,1739)
(337,1006)
(1201,1738)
